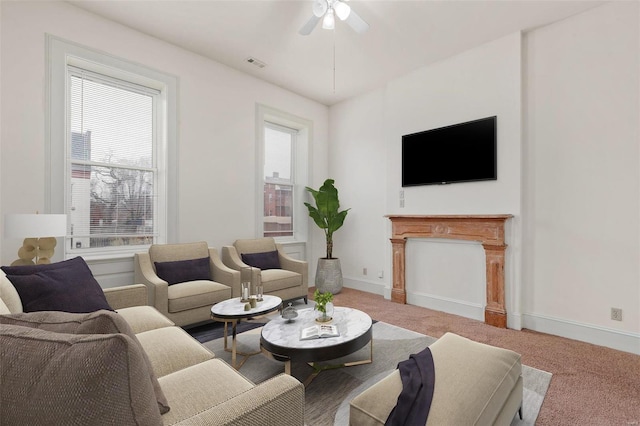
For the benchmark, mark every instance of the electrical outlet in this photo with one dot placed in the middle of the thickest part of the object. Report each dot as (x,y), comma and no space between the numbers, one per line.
(402,198)
(616,314)
(364,271)
(380,274)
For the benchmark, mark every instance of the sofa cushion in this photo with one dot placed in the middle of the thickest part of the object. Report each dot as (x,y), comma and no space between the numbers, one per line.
(171,349)
(196,294)
(200,387)
(4,309)
(100,322)
(110,380)
(9,295)
(144,318)
(180,271)
(256,245)
(182,251)
(279,279)
(479,379)
(265,260)
(64,286)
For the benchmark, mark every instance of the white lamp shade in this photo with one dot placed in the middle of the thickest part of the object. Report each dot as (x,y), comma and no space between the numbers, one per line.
(35,225)
(329,21)
(342,9)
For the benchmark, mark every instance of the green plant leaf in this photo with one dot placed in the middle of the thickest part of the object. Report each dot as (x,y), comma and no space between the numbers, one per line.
(326,213)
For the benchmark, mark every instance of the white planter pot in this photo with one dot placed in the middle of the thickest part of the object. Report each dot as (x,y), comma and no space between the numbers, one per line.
(329,276)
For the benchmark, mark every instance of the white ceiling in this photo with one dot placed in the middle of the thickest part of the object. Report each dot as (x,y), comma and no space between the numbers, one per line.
(403,36)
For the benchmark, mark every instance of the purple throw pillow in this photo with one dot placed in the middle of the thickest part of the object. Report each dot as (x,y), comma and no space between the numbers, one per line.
(181,271)
(67,286)
(266,260)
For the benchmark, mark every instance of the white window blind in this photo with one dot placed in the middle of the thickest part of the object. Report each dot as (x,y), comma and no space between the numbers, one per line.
(111,163)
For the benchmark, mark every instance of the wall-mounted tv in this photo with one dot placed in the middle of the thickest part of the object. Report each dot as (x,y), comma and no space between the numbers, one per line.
(463,152)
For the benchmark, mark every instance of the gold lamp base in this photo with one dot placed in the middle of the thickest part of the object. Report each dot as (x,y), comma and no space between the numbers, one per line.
(36,251)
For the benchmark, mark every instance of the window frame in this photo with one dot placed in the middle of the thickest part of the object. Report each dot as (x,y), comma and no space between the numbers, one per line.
(62,54)
(300,170)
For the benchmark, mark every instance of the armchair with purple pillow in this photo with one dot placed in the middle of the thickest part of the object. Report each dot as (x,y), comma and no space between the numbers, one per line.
(185,280)
(280,274)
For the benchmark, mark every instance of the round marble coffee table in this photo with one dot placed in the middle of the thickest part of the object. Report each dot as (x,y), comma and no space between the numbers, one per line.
(281,339)
(232,311)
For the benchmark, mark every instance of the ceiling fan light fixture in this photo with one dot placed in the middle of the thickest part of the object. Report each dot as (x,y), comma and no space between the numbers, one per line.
(320,8)
(342,9)
(329,21)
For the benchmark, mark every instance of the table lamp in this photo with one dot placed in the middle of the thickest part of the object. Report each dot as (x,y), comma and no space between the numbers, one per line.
(40,231)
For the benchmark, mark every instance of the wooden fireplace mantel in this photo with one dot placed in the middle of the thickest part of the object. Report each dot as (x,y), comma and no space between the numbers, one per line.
(487,229)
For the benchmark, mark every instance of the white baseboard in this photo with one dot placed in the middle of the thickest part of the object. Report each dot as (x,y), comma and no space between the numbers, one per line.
(364,285)
(597,335)
(450,306)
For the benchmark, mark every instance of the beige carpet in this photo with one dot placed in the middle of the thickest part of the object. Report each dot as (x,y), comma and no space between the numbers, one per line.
(591,385)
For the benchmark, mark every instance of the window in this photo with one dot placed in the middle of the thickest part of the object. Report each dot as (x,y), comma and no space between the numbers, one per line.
(112,150)
(113,182)
(279,143)
(283,170)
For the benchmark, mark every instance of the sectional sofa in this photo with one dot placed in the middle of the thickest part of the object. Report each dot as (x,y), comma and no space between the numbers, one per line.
(61,368)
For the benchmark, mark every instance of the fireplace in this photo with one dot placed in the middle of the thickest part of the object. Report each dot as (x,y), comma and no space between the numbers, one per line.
(486,229)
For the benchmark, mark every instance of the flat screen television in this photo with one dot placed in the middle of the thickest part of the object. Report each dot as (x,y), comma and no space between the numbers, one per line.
(463,152)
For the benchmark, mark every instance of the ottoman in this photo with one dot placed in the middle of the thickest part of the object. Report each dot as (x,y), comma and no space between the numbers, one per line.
(475,384)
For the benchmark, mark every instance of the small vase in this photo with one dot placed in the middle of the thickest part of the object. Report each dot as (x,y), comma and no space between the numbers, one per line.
(326,316)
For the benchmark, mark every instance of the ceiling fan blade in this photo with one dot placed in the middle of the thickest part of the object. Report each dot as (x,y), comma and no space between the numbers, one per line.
(309,26)
(356,22)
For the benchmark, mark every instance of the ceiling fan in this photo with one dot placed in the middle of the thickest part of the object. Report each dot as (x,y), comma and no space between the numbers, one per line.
(327,10)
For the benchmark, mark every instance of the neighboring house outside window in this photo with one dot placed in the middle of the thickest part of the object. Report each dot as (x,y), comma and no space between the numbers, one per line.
(279,143)
(283,172)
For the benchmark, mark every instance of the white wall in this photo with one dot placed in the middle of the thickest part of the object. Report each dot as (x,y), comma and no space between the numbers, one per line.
(216,123)
(359,166)
(567,100)
(582,186)
(365,159)
(2,218)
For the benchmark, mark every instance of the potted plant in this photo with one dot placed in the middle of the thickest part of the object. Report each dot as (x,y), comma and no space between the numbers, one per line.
(327,216)
(323,304)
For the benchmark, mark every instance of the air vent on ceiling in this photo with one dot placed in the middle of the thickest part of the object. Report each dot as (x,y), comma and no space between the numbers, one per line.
(256,62)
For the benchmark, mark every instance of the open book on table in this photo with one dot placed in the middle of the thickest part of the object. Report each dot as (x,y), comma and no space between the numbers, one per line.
(318,331)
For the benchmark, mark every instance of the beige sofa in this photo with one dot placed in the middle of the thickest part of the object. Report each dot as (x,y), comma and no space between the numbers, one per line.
(199,389)
(475,384)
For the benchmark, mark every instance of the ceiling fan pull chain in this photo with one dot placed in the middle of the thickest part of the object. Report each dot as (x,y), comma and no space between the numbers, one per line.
(334,61)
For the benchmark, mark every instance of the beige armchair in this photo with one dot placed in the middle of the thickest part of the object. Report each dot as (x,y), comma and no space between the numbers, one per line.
(289,281)
(205,282)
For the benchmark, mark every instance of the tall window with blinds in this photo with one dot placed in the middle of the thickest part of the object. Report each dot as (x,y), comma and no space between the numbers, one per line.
(111,165)
(279,145)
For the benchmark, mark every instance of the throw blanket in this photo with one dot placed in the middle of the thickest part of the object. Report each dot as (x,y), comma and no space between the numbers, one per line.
(418,380)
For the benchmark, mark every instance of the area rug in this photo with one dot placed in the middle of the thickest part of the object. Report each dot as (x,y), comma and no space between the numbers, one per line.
(327,396)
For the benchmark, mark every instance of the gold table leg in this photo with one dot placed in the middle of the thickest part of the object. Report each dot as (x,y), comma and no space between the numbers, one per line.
(234,346)
(318,368)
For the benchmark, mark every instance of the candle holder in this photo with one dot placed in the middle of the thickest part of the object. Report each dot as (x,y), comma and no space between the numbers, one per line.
(259,287)
(245,285)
